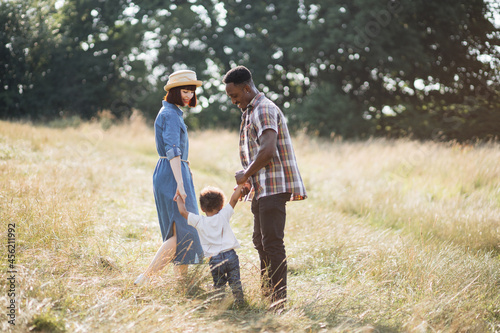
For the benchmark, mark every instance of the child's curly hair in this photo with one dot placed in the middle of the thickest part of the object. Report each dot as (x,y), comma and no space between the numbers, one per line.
(211,198)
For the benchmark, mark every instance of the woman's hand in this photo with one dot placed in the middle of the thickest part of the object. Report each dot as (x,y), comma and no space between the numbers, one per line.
(180,193)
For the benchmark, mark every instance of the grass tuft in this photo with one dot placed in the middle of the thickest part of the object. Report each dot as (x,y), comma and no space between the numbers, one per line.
(47,322)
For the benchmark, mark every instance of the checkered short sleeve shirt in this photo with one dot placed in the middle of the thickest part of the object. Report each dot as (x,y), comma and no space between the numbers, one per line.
(282,174)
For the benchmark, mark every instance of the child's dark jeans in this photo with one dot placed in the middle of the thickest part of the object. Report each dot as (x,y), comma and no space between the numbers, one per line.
(225,267)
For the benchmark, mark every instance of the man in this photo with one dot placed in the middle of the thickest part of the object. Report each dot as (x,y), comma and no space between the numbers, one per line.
(269,164)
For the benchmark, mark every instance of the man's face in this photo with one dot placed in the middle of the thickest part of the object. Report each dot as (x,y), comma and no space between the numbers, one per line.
(239,94)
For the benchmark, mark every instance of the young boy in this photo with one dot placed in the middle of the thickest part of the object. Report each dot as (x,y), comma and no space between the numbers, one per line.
(217,238)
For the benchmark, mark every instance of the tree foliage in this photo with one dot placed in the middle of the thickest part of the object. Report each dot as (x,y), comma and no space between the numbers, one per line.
(351,68)
(78,58)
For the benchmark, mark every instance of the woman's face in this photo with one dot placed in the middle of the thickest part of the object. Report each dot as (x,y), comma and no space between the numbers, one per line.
(186,96)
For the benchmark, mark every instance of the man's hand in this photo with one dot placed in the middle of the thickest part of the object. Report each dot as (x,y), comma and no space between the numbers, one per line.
(242,190)
(246,189)
(240,177)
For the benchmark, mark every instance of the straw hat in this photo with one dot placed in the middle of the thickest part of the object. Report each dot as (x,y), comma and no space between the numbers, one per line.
(182,78)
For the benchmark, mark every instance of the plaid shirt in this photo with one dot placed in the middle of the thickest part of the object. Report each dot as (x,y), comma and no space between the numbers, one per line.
(282,174)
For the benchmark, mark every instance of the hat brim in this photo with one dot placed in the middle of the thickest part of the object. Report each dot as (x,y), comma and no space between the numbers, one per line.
(196,83)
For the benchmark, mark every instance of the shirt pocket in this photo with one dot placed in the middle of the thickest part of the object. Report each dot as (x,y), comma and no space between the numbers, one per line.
(253,135)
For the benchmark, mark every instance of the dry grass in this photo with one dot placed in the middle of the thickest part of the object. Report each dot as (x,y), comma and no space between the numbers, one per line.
(395,236)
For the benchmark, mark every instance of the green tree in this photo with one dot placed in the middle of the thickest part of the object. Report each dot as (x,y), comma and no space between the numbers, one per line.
(25,44)
(352,68)
(80,58)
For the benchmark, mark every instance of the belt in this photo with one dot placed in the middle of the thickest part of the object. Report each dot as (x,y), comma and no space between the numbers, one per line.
(181,159)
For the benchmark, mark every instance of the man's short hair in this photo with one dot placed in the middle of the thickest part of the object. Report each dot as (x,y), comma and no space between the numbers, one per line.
(174,95)
(238,75)
(211,199)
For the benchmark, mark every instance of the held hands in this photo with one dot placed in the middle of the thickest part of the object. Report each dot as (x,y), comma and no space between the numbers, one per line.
(240,177)
(180,193)
(239,191)
(181,203)
(247,187)
(243,190)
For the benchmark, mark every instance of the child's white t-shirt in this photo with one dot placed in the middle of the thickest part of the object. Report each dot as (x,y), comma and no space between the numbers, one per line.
(215,232)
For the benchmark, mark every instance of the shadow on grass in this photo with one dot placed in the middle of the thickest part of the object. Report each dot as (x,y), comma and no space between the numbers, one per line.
(257,319)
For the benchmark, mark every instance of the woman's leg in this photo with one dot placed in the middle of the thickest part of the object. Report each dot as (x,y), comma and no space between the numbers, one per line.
(164,255)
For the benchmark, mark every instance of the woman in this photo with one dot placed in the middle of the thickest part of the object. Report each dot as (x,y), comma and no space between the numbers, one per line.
(172,178)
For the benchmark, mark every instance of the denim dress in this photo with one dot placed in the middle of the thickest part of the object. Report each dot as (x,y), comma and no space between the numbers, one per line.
(172,140)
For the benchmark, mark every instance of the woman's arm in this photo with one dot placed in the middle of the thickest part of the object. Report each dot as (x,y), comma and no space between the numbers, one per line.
(175,164)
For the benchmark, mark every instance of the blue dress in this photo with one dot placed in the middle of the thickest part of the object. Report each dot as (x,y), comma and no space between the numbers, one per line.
(172,140)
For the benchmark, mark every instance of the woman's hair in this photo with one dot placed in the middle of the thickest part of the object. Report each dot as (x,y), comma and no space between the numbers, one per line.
(211,199)
(174,95)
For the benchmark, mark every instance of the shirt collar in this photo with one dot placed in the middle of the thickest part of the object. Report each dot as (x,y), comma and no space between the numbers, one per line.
(253,103)
(172,106)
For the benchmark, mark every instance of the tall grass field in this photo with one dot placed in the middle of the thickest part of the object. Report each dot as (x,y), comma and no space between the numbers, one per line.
(396,236)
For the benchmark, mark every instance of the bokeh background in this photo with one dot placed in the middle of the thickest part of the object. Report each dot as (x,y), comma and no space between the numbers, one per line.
(354,69)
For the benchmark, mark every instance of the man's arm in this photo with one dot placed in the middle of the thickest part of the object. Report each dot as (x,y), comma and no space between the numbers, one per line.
(182,207)
(266,152)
